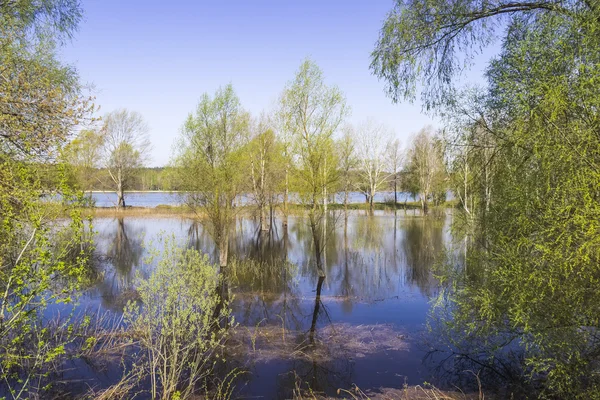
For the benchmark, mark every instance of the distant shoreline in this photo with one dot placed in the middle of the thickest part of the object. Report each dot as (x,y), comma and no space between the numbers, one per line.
(135,191)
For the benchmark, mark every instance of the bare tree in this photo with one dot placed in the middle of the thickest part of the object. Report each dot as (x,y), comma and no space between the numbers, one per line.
(372,141)
(394,159)
(346,149)
(126,148)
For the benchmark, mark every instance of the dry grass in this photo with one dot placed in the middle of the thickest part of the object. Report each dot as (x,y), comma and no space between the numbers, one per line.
(154,212)
(272,342)
(406,393)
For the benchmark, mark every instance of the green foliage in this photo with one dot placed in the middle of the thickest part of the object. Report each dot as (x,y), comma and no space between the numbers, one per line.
(176,323)
(211,162)
(527,176)
(82,154)
(267,165)
(427,43)
(43,260)
(312,113)
(425,172)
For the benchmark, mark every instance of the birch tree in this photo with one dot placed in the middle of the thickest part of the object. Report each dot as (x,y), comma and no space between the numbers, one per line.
(394,158)
(425,169)
(372,141)
(346,150)
(126,148)
(312,112)
(266,169)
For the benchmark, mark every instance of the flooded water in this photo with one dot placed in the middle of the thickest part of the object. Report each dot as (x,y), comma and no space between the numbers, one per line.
(366,319)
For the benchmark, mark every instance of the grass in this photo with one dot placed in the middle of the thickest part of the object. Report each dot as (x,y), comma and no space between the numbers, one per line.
(417,392)
(184,211)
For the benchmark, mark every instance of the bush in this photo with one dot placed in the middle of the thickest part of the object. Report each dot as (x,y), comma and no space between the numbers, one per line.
(178,323)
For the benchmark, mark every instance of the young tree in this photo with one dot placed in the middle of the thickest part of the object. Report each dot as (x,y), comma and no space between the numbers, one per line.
(126,147)
(394,158)
(346,154)
(372,142)
(176,324)
(83,155)
(285,139)
(425,170)
(211,161)
(267,164)
(312,112)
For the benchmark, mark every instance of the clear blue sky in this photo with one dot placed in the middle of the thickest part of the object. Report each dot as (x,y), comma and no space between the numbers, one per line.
(158,57)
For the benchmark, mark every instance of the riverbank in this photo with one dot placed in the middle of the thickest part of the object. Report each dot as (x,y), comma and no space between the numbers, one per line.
(185,212)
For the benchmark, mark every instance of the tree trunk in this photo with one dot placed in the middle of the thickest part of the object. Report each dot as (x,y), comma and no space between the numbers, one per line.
(317,243)
(264,226)
(223,250)
(346,199)
(315,315)
(424,206)
(395,190)
(120,195)
(285,198)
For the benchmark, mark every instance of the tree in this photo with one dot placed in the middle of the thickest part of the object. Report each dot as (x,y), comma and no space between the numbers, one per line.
(126,147)
(346,154)
(533,264)
(416,32)
(425,169)
(42,262)
(372,141)
(83,155)
(266,163)
(285,138)
(394,158)
(312,112)
(175,324)
(211,161)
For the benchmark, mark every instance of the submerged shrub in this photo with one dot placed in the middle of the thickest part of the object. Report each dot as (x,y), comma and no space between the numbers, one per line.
(179,323)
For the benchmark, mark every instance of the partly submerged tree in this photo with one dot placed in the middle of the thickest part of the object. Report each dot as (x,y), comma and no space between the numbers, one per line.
(394,159)
(126,147)
(348,161)
(176,324)
(267,166)
(211,161)
(372,141)
(312,112)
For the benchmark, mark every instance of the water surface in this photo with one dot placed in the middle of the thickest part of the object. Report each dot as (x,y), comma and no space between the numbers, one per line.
(364,325)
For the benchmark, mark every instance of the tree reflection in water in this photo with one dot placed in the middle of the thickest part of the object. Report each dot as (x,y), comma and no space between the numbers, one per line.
(309,325)
(125,251)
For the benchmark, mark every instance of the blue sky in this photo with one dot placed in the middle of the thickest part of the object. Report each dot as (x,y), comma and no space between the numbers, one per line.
(158,57)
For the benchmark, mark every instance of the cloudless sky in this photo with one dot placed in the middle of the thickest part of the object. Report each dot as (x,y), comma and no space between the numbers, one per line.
(158,57)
